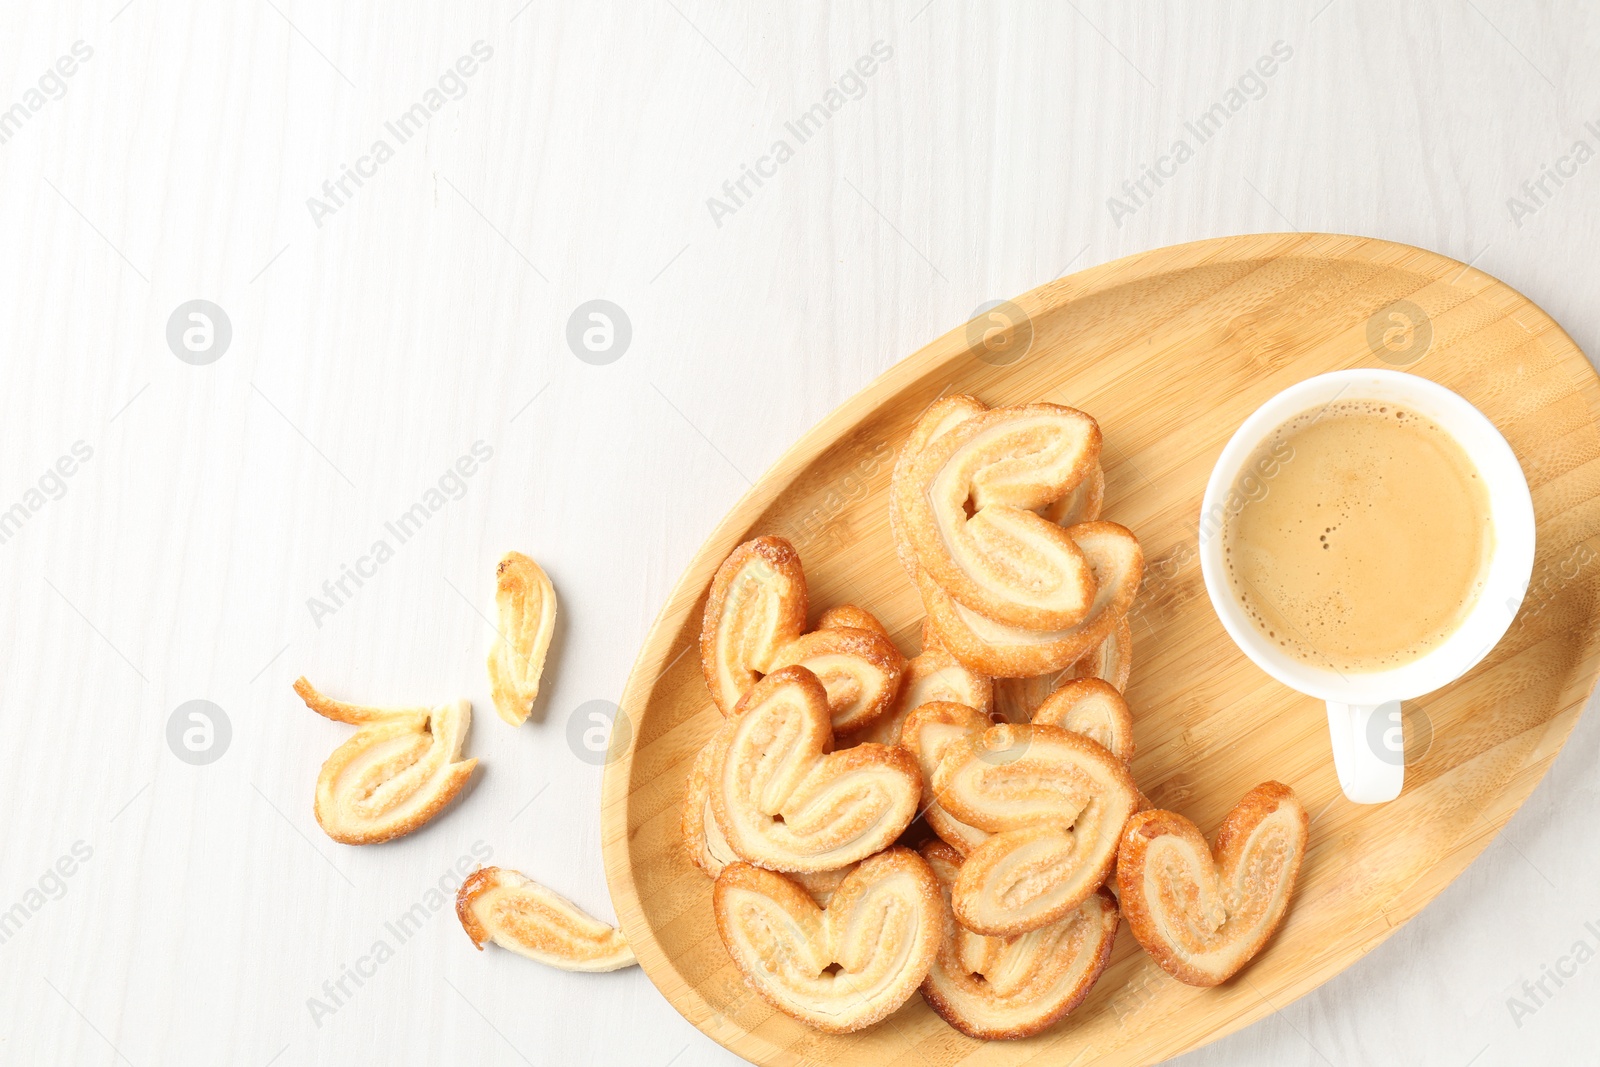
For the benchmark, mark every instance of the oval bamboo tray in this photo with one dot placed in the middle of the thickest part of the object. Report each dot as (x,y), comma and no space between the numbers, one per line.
(1170,350)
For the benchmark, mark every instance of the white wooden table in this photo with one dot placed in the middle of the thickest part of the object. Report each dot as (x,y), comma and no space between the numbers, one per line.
(581,152)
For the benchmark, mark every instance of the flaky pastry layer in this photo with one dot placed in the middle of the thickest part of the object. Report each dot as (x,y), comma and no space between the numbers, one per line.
(395,774)
(994,988)
(757,605)
(527,608)
(786,800)
(840,968)
(1203,913)
(517,913)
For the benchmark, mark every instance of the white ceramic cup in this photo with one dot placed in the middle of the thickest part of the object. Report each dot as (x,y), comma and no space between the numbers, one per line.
(1364,708)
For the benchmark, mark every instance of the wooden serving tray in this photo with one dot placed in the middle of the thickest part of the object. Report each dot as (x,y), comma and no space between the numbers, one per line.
(1170,350)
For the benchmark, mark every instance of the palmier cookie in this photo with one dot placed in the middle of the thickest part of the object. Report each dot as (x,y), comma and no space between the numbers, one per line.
(708,849)
(757,605)
(858,666)
(1016,699)
(1093,709)
(527,608)
(398,771)
(785,800)
(1110,661)
(994,988)
(1003,651)
(936,420)
(844,967)
(703,840)
(517,913)
(929,732)
(1200,913)
(1001,559)
(1049,806)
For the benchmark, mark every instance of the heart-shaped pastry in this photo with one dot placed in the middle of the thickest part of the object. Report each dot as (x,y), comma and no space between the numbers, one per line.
(709,850)
(964,508)
(398,771)
(994,988)
(757,605)
(527,607)
(1200,913)
(1005,651)
(843,967)
(785,800)
(517,913)
(1036,810)
(1016,699)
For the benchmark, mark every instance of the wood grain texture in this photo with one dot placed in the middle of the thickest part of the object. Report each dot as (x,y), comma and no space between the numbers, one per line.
(1170,350)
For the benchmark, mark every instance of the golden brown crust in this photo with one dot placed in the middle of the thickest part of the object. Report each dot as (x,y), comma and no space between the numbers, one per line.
(851,617)
(1054,803)
(1003,651)
(702,839)
(1083,504)
(1093,708)
(527,610)
(934,675)
(939,418)
(844,967)
(395,774)
(354,714)
(783,798)
(519,914)
(963,506)
(757,604)
(1003,989)
(1203,914)
(860,668)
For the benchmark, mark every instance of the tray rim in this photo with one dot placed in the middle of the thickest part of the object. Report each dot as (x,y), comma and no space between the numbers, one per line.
(652,663)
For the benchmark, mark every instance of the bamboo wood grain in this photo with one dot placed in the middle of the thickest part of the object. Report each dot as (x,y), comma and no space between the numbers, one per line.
(1170,350)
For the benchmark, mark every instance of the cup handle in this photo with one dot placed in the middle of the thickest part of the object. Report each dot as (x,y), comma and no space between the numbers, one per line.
(1368,750)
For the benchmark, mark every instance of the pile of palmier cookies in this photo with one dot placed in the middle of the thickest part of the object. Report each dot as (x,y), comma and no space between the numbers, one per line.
(964,822)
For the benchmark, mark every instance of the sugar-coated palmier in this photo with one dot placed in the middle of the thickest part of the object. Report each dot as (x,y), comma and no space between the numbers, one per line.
(964,504)
(785,799)
(398,771)
(517,913)
(1094,709)
(1004,651)
(994,988)
(858,666)
(527,608)
(1202,913)
(757,605)
(842,967)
